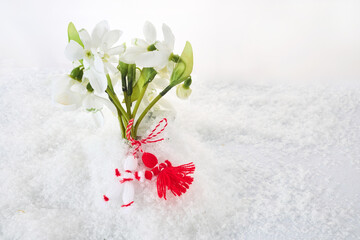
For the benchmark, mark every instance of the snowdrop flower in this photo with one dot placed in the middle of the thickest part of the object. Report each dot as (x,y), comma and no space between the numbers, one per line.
(70,94)
(97,54)
(151,52)
(62,96)
(101,41)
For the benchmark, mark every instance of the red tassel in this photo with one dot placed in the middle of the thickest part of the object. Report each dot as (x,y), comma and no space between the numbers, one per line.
(175,179)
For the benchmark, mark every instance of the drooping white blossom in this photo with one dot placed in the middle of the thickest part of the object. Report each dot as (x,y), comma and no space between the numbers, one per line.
(70,94)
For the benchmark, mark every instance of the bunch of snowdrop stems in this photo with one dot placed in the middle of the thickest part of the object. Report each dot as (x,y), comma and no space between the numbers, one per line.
(99,66)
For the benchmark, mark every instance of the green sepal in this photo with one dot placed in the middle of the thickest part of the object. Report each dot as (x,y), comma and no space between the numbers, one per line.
(89,87)
(187,83)
(183,67)
(174,57)
(123,68)
(77,73)
(146,76)
(73,34)
(151,48)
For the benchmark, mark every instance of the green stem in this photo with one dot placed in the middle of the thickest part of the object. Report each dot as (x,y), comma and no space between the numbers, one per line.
(109,82)
(142,93)
(127,103)
(122,128)
(116,102)
(153,102)
(118,107)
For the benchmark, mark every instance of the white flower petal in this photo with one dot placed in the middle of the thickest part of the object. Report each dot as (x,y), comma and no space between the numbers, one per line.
(98,63)
(161,46)
(67,100)
(110,38)
(111,68)
(85,38)
(91,101)
(131,54)
(113,59)
(116,50)
(139,43)
(87,62)
(97,81)
(74,51)
(152,59)
(149,32)
(169,38)
(98,33)
(78,88)
(108,104)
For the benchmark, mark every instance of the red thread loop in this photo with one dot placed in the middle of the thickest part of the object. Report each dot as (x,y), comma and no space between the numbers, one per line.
(127,205)
(154,133)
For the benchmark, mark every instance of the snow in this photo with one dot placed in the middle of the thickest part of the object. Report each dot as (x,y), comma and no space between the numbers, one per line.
(273,161)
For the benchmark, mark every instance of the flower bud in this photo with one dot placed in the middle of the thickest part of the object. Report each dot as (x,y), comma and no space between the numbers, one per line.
(182,91)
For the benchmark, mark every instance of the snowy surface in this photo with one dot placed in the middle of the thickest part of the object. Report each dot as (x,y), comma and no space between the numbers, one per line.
(273,161)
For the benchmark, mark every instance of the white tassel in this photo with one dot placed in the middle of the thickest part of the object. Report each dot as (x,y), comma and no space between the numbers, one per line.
(130,163)
(128,194)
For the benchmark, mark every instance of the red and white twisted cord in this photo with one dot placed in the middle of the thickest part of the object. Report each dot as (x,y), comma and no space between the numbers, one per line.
(152,135)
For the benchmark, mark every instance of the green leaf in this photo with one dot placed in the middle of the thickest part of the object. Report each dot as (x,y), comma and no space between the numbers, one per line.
(135,93)
(183,67)
(131,74)
(73,34)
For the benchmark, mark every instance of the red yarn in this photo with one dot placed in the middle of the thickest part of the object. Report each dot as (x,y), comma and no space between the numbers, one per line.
(117,173)
(106,198)
(149,160)
(127,205)
(136,175)
(175,179)
(148,175)
(126,180)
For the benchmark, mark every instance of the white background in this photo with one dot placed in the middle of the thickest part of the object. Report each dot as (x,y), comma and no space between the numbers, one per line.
(248,40)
